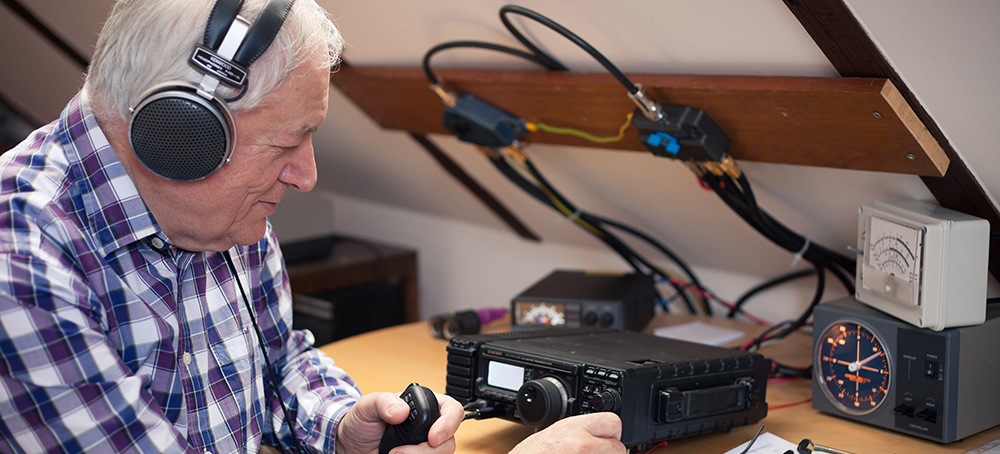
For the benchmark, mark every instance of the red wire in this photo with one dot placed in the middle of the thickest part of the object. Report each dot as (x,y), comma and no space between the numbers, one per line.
(792,404)
(709,296)
(662,443)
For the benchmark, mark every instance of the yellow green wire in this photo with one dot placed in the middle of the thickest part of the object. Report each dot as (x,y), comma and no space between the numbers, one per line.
(555,200)
(539,126)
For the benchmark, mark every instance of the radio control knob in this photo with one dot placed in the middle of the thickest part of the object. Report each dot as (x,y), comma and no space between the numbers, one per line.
(607,400)
(542,401)
(607,319)
(590,318)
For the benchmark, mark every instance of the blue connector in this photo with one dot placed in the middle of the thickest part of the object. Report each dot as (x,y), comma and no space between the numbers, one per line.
(656,139)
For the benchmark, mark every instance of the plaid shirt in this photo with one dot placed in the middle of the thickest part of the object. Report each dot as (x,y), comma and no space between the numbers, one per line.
(113,340)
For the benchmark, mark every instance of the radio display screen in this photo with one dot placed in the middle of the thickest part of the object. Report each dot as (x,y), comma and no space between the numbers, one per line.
(534,313)
(504,376)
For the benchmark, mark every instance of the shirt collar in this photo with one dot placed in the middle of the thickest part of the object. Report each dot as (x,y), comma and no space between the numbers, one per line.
(114,209)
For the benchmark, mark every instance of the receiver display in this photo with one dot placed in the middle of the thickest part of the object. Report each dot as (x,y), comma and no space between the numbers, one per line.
(504,376)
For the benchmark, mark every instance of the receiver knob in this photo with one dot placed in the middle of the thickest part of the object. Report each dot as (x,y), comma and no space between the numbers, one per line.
(541,402)
(607,400)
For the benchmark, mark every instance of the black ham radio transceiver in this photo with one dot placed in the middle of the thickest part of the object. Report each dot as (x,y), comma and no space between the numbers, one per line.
(661,388)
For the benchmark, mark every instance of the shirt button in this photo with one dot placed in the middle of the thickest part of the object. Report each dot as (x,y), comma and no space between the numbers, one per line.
(187,359)
(157,243)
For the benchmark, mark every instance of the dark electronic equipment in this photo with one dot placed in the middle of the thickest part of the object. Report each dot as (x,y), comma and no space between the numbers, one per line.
(183,131)
(412,431)
(479,122)
(574,299)
(876,369)
(683,133)
(661,388)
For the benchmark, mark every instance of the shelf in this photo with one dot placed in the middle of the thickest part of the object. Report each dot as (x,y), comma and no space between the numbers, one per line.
(849,123)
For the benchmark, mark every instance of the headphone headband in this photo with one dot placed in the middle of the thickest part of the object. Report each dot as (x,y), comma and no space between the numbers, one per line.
(233,69)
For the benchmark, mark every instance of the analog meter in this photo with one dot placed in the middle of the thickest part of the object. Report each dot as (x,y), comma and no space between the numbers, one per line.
(922,263)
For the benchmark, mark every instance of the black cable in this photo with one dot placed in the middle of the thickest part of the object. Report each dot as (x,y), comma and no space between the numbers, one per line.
(612,241)
(433,79)
(610,67)
(658,245)
(744,204)
(260,340)
(789,371)
(554,64)
(801,321)
(738,304)
(789,326)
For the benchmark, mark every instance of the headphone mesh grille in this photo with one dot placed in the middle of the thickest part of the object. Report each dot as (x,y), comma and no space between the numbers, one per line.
(179,139)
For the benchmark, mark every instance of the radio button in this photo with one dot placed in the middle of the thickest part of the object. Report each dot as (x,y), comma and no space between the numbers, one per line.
(601,373)
(541,402)
(613,376)
(607,400)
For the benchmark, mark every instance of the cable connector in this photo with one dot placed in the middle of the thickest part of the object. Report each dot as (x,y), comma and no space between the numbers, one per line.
(728,166)
(682,132)
(447,97)
(647,105)
(487,412)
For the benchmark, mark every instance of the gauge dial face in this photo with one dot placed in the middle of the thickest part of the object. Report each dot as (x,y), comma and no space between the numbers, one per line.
(541,314)
(852,368)
(894,249)
(893,261)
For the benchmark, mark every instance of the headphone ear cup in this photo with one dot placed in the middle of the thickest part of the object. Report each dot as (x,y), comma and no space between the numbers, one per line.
(179,134)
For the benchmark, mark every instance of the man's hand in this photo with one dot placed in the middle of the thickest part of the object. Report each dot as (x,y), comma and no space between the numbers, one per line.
(361,429)
(594,433)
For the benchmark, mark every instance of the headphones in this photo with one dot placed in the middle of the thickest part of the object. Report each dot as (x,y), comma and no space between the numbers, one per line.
(183,131)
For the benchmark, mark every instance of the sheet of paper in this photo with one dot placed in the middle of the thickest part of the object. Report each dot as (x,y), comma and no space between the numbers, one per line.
(699,332)
(990,447)
(767,443)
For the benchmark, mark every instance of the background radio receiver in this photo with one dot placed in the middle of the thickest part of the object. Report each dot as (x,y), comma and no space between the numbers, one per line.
(575,299)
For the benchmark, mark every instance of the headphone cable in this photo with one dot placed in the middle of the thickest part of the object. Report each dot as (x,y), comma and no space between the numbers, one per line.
(260,340)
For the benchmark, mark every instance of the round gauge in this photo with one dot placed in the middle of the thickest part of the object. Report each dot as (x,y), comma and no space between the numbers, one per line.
(541,314)
(852,367)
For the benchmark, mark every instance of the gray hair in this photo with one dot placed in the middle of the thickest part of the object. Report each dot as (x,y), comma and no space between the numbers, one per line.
(148,42)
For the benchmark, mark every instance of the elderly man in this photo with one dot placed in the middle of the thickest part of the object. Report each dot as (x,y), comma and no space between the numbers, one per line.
(144,305)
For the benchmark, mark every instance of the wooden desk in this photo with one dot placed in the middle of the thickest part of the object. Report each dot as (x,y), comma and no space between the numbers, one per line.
(392,358)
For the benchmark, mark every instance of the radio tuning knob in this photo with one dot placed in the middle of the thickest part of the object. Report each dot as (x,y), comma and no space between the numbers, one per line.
(607,400)
(541,402)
